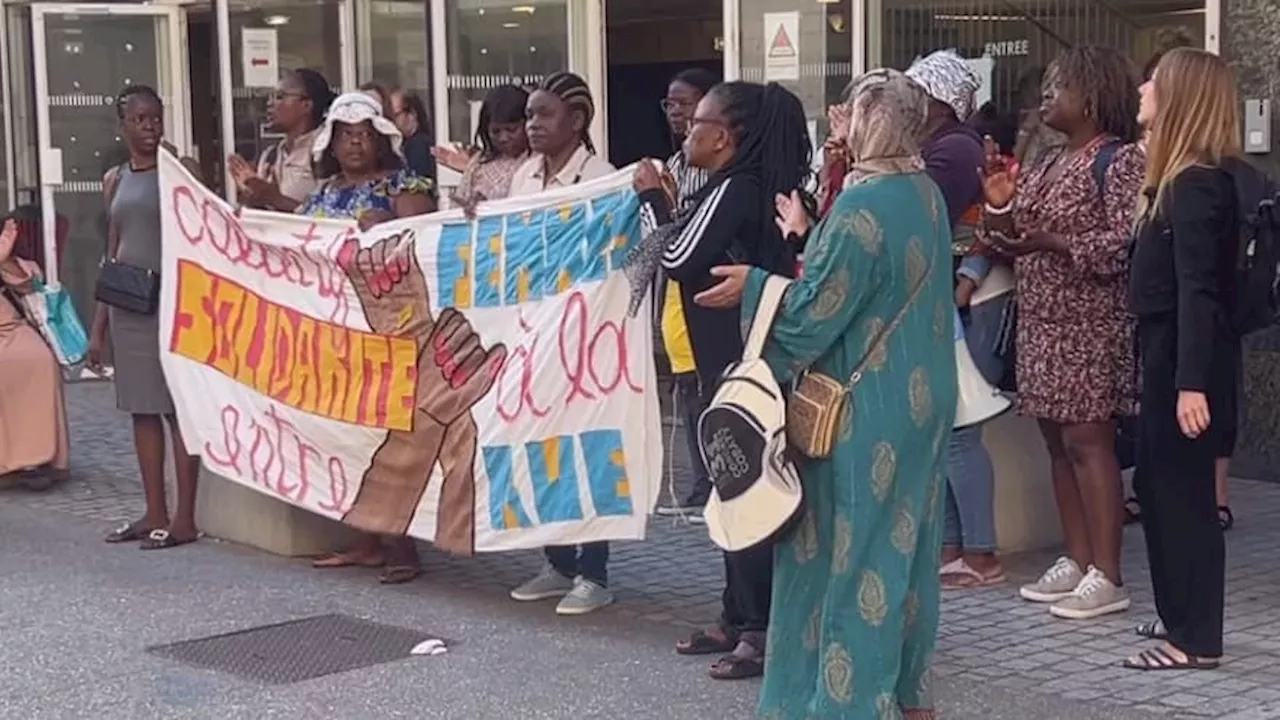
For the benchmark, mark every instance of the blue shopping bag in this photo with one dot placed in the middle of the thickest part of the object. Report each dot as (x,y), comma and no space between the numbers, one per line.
(56,319)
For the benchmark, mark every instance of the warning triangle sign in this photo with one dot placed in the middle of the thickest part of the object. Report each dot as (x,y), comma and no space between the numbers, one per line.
(782,47)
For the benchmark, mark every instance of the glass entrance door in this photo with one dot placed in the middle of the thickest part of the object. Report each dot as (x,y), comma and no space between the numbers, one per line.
(83,55)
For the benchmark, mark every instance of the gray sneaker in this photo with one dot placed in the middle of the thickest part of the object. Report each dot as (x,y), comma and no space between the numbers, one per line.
(1058,582)
(1095,596)
(585,597)
(546,584)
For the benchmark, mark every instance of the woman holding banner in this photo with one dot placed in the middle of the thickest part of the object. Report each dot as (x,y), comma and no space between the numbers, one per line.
(364,179)
(558,118)
(752,141)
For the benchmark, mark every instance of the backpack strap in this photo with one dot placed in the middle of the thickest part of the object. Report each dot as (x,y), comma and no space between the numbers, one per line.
(770,300)
(1101,163)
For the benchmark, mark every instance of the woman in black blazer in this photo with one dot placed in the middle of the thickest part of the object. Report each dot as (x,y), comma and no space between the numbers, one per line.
(1182,286)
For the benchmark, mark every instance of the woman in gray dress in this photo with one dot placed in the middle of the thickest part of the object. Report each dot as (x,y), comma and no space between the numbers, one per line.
(132,194)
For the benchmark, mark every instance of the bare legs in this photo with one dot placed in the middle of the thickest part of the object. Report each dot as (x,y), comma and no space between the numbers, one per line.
(186,470)
(1089,493)
(149,444)
(398,553)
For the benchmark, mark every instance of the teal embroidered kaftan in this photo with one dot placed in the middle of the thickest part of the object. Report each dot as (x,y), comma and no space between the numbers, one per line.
(855,586)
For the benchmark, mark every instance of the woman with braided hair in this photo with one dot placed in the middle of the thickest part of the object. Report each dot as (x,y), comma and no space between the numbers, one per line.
(557,122)
(753,142)
(131,193)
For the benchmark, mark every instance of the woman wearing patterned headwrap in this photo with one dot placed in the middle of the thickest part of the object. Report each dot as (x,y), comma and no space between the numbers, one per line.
(954,156)
(875,299)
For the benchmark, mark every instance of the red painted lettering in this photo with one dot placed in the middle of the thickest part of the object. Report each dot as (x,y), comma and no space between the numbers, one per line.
(594,360)
(280,458)
(311,265)
(520,360)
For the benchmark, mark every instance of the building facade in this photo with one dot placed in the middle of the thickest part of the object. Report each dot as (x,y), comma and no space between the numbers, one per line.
(216,61)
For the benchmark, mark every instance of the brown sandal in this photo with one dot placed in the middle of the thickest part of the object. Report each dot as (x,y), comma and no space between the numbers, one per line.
(346,559)
(399,574)
(746,661)
(708,642)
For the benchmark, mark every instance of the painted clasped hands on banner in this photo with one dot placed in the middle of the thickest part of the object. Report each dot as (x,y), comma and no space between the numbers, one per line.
(473,383)
(453,371)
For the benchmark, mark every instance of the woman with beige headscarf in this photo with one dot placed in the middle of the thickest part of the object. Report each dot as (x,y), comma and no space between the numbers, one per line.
(873,310)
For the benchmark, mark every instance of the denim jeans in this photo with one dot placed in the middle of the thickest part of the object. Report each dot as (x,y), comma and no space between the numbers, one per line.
(590,560)
(970,511)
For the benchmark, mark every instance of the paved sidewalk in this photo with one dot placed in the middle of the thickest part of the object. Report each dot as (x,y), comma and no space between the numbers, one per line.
(998,656)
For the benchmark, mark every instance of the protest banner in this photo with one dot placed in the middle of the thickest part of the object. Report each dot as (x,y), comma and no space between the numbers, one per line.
(477,384)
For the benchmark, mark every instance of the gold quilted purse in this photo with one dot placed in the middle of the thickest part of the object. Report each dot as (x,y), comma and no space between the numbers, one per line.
(818,400)
(813,414)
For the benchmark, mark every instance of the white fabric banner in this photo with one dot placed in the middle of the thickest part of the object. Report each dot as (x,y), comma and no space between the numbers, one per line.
(476,384)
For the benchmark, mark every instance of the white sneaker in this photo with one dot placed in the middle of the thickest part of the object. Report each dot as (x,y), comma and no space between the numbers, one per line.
(585,597)
(1057,583)
(544,585)
(1095,596)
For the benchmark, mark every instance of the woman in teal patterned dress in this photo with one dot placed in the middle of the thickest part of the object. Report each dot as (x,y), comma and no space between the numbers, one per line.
(855,586)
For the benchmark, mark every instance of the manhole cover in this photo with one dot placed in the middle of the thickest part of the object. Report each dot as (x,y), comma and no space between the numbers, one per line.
(297,650)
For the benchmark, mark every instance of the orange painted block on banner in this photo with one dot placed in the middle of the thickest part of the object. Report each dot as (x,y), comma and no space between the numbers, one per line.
(315,366)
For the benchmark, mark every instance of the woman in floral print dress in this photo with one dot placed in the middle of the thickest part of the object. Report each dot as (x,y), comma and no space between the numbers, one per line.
(1069,224)
(502,149)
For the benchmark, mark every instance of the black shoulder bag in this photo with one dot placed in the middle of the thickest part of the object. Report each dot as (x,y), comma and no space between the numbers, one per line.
(121,285)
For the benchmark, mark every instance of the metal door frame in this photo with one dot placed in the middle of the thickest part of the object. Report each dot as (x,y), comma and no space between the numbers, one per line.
(585,51)
(172,54)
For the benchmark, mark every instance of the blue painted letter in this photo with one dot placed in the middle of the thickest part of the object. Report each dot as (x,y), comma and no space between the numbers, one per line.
(607,472)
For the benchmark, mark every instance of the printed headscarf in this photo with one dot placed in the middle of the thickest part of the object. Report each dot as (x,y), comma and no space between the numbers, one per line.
(947,78)
(354,108)
(887,113)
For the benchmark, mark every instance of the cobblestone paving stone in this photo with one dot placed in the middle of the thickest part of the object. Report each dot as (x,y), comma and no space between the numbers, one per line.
(986,636)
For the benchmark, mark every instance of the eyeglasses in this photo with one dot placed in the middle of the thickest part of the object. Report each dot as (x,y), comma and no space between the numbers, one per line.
(707,121)
(282,96)
(670,105)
